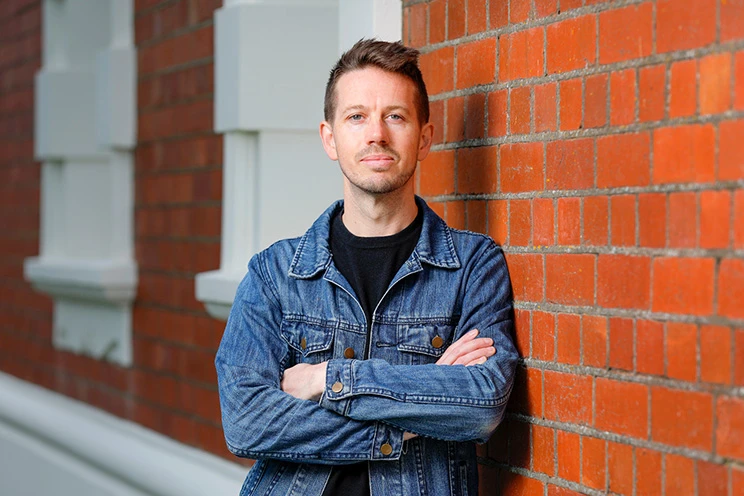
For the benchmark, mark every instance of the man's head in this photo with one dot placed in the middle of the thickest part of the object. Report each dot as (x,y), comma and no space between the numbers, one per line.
(389,57)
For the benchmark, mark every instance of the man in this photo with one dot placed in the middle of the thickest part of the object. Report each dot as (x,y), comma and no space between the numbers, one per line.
(366,356)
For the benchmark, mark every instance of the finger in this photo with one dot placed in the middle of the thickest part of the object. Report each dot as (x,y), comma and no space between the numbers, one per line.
(452,352)
(479,361)
(475,355)
(464,349)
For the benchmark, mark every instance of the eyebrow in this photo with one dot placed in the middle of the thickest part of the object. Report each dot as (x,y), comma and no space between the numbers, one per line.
(386,109)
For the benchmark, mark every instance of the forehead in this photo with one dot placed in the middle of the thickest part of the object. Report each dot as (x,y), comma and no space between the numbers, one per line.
(374,86)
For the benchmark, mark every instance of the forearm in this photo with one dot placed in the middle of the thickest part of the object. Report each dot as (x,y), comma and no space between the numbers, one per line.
(261,421)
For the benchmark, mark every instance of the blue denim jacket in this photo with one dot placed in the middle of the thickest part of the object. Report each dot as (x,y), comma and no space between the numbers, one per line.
(293,306)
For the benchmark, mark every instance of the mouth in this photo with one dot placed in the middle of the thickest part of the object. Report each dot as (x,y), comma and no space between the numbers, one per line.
(378,160)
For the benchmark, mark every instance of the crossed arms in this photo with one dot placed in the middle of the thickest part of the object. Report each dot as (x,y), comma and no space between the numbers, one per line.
(265,417)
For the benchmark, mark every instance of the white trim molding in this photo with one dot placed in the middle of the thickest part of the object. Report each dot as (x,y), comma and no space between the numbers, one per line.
(51,444)
(272,59)
(85,132)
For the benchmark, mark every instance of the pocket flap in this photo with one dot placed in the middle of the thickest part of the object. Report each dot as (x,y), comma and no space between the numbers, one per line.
(428,339)
(306,337)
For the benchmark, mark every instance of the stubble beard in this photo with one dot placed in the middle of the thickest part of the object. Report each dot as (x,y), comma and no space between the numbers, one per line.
(377,185)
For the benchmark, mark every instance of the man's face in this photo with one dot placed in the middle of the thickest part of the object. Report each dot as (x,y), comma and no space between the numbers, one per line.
(375,134)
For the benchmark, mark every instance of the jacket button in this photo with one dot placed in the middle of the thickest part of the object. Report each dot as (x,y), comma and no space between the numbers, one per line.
(437,342)
(303,343)
(349,353)
(386,449)
(337,387)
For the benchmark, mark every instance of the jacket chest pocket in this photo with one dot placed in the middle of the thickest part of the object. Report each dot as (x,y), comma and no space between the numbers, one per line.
(308,342)
(424,343)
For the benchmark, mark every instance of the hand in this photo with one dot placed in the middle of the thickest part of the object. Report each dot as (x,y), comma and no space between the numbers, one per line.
(305,381)
(468,350)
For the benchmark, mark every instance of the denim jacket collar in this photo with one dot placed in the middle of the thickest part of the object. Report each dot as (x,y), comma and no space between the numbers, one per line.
(434,247)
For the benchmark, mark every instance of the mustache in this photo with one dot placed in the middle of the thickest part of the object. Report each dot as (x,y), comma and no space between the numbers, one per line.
(377,149)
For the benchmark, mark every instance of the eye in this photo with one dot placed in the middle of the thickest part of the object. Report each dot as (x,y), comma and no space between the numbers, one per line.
(355,117)
(396,117)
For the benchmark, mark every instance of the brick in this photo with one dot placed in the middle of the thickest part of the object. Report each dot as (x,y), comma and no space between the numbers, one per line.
(732,20)
(543,336)
(621,343)
(570,164)
(622,97)
(570,279)
(475,216)
(543,214)
(715,83)
(731,287)
(522,324)
(477,16)
(594,338)
(595,101)
(498,14)
(543,442)
(630,150)
(620,467)
(568,397)
(596,224)
(682,220)
(684,154)
(739,80)
(519,110)
(545,8)
(561,491)
(679,475)
(498,220)
(455,214)
(652,214)
(455,119)
(730,151)
(738,352)
(436,118)
(737,480)
(715,219)
(476,63)
(527,398)
(519,444)
(648,472)
(567,5)
(682,89)
(570,104)
(683,285)
(739,219)
(730,427)
(521,54)
(681,351)
(593,472)
(623,281)
(625,33)
(475,108)
(546,113)
(438,173)
(456,18)
(651,87)
(437,22)
(517,485)
(621,407)
(569,221)
(649,347)
(497,105)
(684,24)
(521,167)
(682,418)
(437,67)
(712,479)
(569,450)
(520,226)
(569,338)
(571,44)
(519,11)
(417,15)
(623,220)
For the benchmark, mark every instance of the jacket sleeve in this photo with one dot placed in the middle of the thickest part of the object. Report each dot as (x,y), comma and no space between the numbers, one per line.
(454,403)
(259,419)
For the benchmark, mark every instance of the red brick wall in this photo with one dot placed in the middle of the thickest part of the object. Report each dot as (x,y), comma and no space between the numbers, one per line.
(171,386)
(601,144)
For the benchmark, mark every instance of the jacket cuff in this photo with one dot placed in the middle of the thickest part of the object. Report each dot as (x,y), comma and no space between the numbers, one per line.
(388,443)
(339,382)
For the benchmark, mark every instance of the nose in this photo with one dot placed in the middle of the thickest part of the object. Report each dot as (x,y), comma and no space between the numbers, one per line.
(377,131)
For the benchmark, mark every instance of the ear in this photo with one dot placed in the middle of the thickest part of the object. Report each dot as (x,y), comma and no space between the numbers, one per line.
(427,133)
(326,137)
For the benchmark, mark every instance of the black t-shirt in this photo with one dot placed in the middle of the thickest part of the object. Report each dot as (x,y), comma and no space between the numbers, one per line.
(369,264)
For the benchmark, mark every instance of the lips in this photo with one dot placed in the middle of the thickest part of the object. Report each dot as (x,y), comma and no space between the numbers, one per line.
(377,160)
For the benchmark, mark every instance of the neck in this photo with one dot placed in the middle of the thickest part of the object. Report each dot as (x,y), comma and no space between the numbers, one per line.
(382,215)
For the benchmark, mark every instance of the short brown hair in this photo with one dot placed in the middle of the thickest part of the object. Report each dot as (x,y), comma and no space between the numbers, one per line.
(389,56)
